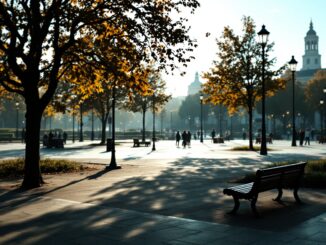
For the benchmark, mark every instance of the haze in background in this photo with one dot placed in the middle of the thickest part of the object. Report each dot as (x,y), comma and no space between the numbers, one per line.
(286,20)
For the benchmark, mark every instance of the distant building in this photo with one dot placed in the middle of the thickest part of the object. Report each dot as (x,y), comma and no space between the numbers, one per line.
(311,60)
(195,86)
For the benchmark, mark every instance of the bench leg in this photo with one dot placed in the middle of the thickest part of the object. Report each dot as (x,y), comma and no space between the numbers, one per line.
(295,194)
(279,196)
(253,205)
(236,205)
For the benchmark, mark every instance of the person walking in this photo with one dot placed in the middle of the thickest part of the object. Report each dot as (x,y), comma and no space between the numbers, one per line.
(65,136)
(188,138)
(184,139)
(213,134)
(301,136)
(307,136)
(177,138)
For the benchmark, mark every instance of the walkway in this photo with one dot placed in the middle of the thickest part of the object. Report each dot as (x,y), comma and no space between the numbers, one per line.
(170,196)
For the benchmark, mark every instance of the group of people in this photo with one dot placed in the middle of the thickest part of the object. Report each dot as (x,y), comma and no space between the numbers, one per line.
(185,137)
(50,139)
(304,136)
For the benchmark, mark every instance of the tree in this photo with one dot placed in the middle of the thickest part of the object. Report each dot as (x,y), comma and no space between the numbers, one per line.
(142,102)
(314,92)
(190,109)
(235,78)
(101,103)
(279,104)
(37,35)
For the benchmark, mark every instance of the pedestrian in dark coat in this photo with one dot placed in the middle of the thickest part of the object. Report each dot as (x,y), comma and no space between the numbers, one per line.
(301,136)
(188,138)
(177,138)
(184,139)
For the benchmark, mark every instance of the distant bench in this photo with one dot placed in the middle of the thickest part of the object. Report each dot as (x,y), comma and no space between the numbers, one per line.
(321,139)
(137,143)
(218,140)
(6,136)
(56,143)
(281,177)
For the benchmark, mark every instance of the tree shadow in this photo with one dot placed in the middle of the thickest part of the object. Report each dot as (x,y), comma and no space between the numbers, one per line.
(189,188)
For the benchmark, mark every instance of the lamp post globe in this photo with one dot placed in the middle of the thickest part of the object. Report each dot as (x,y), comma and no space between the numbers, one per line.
(263,39)
(293,66)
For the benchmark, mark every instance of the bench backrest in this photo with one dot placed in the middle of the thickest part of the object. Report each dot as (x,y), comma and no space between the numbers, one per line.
(287,176)
(136,141)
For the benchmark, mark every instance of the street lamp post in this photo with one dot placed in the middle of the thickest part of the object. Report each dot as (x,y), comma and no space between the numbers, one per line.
(17,115)
(171,121)
(153,148)
(324,109)
(201,118)
(220,120)
(321,120)
(263,35)
(113,164)
(293,66)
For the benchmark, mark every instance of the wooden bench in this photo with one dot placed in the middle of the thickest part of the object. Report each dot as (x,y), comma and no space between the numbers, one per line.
(218,140)
(7,137)
(281,177)
(321,139)
(56,143)
(137,143)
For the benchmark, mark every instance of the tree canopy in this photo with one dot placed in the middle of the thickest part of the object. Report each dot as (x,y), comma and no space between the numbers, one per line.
(314,89)
(40,41)
(235,78)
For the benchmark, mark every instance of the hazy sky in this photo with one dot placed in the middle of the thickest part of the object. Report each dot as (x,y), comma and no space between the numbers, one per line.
(286,20)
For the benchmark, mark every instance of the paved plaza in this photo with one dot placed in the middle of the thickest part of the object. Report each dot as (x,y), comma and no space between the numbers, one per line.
(168,196)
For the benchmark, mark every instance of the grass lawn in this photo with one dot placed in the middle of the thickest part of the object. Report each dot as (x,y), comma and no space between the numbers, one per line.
(15,167)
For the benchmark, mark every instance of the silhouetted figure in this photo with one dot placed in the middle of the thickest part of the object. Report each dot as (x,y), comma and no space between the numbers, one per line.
(188,138)
(177,138)
(312,134)
(23,135)
(198,134)
(301,136)
(45,140)
(184,139)
(271,138)
(65,136)
(50,139)
(307,137)
(244,135)
(213,134)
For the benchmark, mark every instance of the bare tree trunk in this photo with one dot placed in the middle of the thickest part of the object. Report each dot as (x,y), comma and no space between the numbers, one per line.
(251,147)
(32,172)
(143,134)
(103,134)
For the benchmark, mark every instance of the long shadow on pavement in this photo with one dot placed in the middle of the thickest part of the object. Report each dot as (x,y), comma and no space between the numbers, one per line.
(190,188)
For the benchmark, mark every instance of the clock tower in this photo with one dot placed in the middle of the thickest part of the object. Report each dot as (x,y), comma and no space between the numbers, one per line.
(311,58)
